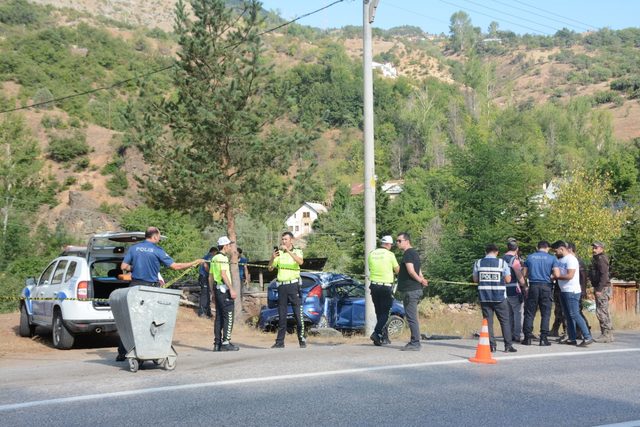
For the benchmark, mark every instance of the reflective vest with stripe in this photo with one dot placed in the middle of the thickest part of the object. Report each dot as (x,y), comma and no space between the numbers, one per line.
(513,285)
(491,287)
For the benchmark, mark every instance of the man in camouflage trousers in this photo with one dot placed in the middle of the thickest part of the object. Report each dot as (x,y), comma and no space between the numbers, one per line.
(599,276)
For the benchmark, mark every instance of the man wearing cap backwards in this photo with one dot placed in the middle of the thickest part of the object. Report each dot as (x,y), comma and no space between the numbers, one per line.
(288,260)
(382,265)
(599,277)
(224,296)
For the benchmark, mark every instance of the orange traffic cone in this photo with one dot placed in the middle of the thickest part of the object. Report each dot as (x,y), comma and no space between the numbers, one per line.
(483,352)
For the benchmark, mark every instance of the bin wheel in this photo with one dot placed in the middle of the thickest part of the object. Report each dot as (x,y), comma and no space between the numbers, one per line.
(133,365)
(169,363)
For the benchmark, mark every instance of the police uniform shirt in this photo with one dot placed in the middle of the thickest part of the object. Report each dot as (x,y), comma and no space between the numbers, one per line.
(288,268)
(540,265)
(382,263)
(145,259)
(202,270)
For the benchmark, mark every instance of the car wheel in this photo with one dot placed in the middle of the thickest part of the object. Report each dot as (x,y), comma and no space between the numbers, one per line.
(26,329)
(62,338)
(395,326)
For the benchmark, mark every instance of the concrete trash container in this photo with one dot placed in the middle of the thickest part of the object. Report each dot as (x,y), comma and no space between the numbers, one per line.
(145,317)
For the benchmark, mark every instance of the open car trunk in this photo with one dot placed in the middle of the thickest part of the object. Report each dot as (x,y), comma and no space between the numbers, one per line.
(104,280)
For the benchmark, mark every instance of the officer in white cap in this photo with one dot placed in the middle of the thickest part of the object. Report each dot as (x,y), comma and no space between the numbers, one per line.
(382,266)
(224,296)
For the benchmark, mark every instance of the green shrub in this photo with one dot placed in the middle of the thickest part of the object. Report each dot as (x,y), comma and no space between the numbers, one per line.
(63,149)
(69,181)
(49,122)
(45,96)
(110,209)
(82,164)
(117,184)
(87,186)
(18,12)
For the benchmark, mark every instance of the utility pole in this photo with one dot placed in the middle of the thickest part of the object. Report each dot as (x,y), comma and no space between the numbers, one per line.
(368,14)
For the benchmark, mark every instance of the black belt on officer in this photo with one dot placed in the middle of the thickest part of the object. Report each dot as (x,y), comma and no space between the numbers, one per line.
(287,282)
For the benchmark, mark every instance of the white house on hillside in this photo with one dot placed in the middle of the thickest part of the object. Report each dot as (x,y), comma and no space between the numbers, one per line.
(300,222)
(387,69)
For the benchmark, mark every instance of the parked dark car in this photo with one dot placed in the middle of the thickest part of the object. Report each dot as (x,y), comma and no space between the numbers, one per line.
(329,300)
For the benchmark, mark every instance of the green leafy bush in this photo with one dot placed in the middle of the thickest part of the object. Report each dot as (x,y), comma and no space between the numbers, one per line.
(63,149)
(49,122)
(117,184)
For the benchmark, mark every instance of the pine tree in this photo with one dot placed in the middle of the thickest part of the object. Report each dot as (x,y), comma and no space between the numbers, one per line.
(212,140)
(625,263)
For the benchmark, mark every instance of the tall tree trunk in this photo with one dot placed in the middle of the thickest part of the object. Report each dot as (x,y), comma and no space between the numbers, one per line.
(233,258)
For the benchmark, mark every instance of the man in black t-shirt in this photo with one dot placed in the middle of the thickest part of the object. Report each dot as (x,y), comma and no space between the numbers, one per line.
(410,283)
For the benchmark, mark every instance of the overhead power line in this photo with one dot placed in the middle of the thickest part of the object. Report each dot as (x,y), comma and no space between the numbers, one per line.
(511,15)
(580,27)
(555,14)
(496,18)
(160,70)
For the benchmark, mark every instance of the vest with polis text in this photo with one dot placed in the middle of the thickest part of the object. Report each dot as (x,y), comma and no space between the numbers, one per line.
(491,286)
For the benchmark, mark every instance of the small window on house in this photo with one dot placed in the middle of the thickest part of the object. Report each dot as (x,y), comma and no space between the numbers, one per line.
(306,214)
(297,228)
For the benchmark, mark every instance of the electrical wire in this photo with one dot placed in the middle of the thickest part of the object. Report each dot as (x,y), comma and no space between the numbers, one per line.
(555,14)
(118,83)
(511,15)
(542,16)
(496,18)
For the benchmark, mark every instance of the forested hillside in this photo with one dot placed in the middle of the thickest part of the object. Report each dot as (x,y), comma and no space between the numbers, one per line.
(476,129)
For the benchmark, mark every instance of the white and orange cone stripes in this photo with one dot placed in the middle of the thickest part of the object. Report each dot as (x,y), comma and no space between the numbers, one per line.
(483,352)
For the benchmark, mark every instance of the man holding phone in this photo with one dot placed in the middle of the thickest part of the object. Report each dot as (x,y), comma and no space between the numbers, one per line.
(288,260)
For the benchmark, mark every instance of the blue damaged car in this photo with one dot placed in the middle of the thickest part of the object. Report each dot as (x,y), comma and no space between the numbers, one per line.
(329,300)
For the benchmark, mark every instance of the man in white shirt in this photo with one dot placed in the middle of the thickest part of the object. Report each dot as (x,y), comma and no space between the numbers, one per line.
(569,281)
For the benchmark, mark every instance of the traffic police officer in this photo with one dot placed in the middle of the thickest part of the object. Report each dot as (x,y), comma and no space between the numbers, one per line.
(288,260)
(491,274)
(220,281)
(382,265)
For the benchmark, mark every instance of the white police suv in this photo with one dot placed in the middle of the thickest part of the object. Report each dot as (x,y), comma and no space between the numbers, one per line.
(71,296)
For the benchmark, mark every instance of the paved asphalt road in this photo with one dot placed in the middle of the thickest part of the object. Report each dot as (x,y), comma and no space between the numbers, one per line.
(330,385)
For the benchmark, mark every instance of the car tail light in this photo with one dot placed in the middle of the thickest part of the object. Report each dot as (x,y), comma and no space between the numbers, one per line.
(82,290)
(316,291)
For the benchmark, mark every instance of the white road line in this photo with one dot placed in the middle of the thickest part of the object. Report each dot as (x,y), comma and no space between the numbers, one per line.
(138,392)
(634,423)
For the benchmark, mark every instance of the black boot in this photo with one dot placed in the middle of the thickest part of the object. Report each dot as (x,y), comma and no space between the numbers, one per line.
(526,341)
(544,342)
